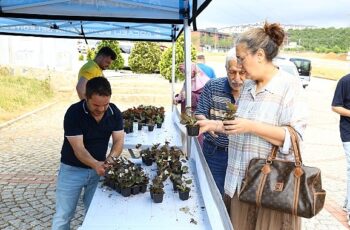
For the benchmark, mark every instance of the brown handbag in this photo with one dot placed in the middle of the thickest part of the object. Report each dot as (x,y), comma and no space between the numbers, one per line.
(284,186)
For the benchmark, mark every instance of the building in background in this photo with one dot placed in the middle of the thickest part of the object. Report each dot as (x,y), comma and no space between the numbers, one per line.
(211,40)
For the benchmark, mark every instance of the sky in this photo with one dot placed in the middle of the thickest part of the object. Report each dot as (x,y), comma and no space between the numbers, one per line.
(320,13)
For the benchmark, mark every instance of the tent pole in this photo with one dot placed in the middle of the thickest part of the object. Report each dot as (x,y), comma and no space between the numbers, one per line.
(188,71)
(173,73)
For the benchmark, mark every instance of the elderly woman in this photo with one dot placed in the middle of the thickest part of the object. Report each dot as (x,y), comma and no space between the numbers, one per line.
(269,101)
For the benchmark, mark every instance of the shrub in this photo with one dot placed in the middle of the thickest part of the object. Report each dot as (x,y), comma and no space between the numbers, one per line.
(81,57)
(144,57)
(5,71)
(166,60)
(114,45)
(90,54)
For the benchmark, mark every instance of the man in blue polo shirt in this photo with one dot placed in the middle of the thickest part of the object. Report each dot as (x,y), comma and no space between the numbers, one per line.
(212,105)
(88,126)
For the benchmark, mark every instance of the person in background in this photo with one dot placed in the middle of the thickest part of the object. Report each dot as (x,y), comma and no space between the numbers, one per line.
(212,105)
(94,68)
(198,80)
(269,101)
(341,106)
(88,125)
(204,67)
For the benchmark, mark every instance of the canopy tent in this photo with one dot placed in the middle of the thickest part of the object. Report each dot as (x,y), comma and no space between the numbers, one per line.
(135,20)
(147,20)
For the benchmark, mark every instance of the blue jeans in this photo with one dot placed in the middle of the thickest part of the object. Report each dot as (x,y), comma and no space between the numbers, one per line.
(346,146)
(70,182)
(216,158)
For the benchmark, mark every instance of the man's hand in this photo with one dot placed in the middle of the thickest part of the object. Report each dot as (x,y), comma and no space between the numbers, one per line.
(100,168)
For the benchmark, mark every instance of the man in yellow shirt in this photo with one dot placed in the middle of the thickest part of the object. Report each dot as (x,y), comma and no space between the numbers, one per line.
(93,68)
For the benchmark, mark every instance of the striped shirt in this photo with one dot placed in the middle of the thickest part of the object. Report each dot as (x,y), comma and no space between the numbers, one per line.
(280,103)
(212,104)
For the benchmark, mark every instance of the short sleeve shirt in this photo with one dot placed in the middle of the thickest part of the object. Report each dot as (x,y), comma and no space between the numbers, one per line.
(78,121)
(212,104)
(90,70)
(342,98)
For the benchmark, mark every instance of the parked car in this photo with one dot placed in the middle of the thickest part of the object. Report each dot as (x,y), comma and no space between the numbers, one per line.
(303,67)
(289,67)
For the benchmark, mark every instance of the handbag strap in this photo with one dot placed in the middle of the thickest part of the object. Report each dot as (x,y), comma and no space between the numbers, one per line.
(295,145)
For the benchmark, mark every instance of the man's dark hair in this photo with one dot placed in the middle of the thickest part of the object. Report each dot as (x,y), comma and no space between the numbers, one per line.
(107,51)
(99,86)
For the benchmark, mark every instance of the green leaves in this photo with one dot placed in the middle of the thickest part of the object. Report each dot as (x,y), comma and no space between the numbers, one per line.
(145,57)
(187,120)
(166,60)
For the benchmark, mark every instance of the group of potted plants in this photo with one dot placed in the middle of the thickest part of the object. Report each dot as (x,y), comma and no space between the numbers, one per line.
(149,115)
(126,177)
(169,161)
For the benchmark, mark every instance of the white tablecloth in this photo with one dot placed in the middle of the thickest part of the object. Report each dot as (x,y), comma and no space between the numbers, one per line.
(110,210)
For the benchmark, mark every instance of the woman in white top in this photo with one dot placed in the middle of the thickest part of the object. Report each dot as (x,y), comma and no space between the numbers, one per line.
(271,100)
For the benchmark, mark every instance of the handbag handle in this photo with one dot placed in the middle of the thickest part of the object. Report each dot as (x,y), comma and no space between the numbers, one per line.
(295,145)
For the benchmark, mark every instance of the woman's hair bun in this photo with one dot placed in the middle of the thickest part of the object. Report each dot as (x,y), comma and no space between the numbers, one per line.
(275,32)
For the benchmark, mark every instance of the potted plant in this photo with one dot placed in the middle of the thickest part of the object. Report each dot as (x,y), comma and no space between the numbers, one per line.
(176,180)
(147,158)
(190,122)
(150,125)
(230,112)
(128,126)
(184,189)
(159,121)
(157,190)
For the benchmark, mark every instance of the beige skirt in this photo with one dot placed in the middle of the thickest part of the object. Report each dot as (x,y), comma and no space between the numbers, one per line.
(248,217)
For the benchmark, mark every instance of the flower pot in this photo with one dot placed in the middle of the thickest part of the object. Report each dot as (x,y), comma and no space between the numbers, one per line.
(147,161)
(135,189)
(159,125)
(184,195)
(158,197)
(143,188)
(125,192)
(150,128)
(139,126)
(192,131)
(127,130)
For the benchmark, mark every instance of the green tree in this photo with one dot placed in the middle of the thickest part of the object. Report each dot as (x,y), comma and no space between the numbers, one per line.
(322,40)
(145,57)
(166,60)
(90,54)
(118,63)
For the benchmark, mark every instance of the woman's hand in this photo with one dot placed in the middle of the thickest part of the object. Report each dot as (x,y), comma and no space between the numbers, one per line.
(238,126)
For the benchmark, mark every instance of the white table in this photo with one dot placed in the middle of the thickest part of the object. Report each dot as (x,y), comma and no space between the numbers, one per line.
(110,210)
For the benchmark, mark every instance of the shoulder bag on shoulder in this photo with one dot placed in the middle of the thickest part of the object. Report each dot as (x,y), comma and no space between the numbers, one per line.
(285,186)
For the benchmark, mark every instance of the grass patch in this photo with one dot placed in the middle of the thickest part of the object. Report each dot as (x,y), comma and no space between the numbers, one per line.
(328,73)
(19,94)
